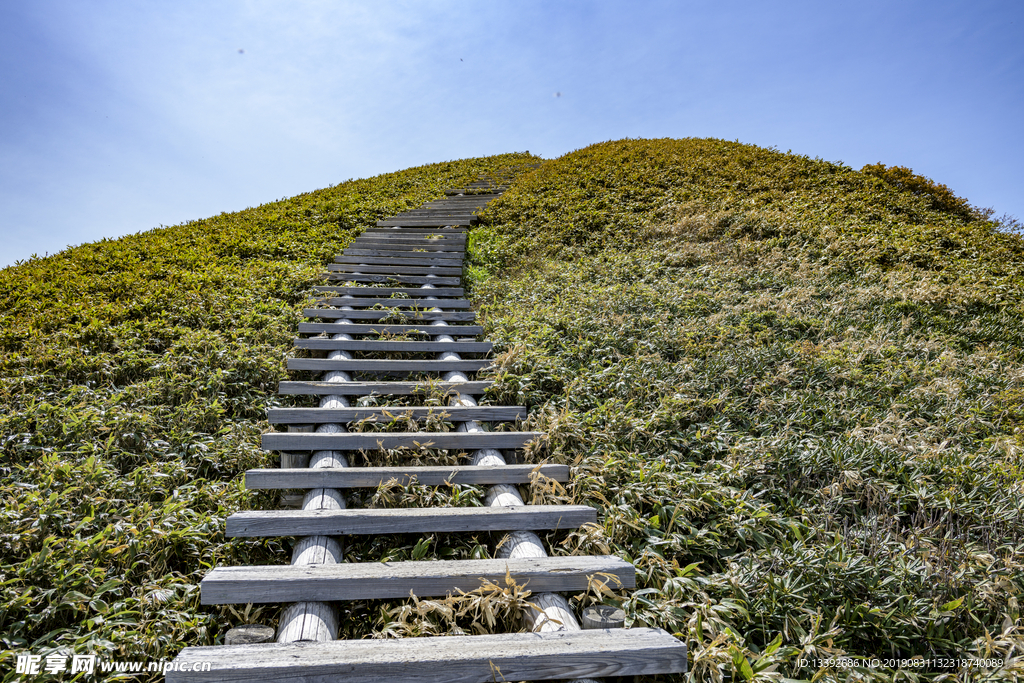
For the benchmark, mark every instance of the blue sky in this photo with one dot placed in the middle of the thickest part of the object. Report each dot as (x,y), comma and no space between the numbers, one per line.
(117,117)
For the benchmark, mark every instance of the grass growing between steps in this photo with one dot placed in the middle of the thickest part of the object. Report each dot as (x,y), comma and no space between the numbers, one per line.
(135,376)
(795,391)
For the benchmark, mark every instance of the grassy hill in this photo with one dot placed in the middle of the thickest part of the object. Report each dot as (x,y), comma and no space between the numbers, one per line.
(794,390)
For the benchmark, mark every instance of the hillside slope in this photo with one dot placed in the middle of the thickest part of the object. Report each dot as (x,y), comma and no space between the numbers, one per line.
(794,390)
(136,375)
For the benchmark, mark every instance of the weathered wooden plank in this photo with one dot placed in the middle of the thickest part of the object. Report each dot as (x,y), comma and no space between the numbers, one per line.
(402,254)
(381,388)
(372,477)
(440,659)
(437,211)
(372,441)
(393,346)
(380,580)
(444,216)
(357,302)
(402,251)
(417,231)
(360,522)
(396,244)
(387,366)
(385,269)
(385,328)
(337,313)
(408,279)
(344,415)
(411,253)
(382,291)
(356,263)
(417,221)
(467,200)
(443,236)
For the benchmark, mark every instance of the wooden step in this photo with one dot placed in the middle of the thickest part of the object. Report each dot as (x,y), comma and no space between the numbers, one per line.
(382,291)
(437,212)
(416,231)
(440,659)
(336,313)
(372,441)
(467,200)
(393,346)
(358,302)
(387,269)
(447,205)
(403,251)
(385,328)
(411,260)
(372,477)
(439,236)
(424,221)
(387,413)
(475,388)
(382,580)
(472,192)
(390,367)
(442,246)
(408,279)
(361,522)
(399,251)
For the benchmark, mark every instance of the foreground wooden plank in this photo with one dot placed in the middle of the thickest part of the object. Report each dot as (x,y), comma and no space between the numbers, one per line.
(423,220)
(372,477)
(381,388)
(413,259)
(359,441)
(393,346)
(386,328)
(377,580)
(408,279)
(386,414)
(389,366)
(400,251)
(416,231)
(392,244)
(337,313)
(371,269)
(444,659)
(359,522)
(381,291)
(365,302)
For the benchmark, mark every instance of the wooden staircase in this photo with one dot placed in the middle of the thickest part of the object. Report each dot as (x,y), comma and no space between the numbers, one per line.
(403,277)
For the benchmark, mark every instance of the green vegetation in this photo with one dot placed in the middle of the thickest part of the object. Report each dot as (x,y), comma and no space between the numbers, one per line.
(136,375)
(794,390)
